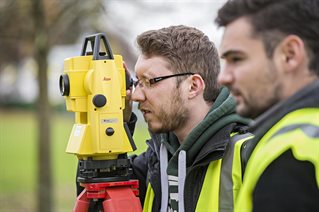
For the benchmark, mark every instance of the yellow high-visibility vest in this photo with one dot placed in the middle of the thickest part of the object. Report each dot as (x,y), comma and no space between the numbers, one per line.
(298,131)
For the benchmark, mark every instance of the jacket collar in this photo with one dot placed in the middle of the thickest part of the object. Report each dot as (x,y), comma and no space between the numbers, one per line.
(215,147)
(212,150)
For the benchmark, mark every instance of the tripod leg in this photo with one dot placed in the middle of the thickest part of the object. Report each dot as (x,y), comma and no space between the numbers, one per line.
(82,202)
(121,199)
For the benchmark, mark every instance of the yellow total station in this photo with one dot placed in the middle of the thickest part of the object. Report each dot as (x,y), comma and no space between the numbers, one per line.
(94,87)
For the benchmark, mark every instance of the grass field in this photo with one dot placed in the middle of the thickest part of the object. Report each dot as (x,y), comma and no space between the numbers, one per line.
(18,160)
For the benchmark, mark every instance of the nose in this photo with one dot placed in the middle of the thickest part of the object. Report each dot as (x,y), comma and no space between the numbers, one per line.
(225,77)
(138,94)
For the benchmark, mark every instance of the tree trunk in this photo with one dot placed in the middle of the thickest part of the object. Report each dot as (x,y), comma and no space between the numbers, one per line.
(41,49)
(44,153)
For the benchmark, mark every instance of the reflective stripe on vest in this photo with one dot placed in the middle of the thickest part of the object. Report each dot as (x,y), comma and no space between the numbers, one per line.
(298,131)
(215,186)
(223,178)
(149,197)
(237,175)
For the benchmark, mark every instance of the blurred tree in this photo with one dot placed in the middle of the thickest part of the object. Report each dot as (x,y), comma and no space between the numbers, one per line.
(30,28)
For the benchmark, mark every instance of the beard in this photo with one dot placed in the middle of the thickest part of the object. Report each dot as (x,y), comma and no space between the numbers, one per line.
(172,116)
(253,107)
(268,93)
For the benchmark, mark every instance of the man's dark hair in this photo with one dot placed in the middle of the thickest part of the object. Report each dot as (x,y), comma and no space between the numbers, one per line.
(273,20)
(187,49)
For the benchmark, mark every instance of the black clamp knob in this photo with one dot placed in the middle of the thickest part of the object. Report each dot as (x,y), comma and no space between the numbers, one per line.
(99,100)
(109,131)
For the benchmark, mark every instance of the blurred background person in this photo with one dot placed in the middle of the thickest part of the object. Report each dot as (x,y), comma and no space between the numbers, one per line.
(271,50)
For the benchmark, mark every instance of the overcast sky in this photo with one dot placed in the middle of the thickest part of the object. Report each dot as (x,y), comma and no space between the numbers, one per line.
(134,18)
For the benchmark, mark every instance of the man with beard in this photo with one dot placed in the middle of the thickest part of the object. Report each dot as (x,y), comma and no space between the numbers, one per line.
(271,51)
(193,157)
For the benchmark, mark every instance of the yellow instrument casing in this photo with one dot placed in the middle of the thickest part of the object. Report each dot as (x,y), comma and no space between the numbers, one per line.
(95,90)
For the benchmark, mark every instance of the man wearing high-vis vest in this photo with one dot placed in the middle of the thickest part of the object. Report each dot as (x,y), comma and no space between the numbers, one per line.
(271,53)
(193,158)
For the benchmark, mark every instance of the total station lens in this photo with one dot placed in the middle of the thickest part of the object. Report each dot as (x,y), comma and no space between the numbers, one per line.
(64,84)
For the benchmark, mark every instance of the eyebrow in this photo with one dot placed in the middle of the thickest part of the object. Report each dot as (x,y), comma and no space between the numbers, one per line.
(229,52)
(148,75)
(144,76)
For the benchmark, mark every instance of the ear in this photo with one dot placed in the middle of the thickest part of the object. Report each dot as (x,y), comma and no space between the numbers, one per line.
(293,53)
(196,86)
